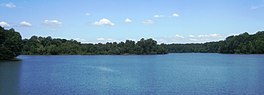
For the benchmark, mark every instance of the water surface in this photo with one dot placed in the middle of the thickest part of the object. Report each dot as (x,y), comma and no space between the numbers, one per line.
(183,74)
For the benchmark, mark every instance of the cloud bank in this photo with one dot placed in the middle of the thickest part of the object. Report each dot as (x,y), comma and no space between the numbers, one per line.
(25,24)
(52,23)
(103,22)
(4,24)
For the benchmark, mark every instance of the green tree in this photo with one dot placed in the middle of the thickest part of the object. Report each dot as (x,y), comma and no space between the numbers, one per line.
(10,44)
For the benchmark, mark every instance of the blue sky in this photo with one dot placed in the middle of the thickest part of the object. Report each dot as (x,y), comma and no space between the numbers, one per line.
(167,21)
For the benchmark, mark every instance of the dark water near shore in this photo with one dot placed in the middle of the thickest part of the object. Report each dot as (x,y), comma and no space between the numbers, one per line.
(182,74)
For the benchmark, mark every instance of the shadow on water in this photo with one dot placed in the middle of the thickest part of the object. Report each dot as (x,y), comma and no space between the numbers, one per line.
(9,77)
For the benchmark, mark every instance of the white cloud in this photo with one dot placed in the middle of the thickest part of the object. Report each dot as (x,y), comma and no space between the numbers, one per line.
(52,23)
(4,24)
(25,24)
(105,40)
(87,14)
(194,40)
(191,36)
(100,39)
(79,39)
(158,16)
(104,21)
(179,36)
(206,38)
(148,22)
(175,15)
(8,5)
(127,20)
(210,35)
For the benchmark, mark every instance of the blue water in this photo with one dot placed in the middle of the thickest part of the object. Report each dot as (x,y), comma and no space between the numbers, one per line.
(171,74)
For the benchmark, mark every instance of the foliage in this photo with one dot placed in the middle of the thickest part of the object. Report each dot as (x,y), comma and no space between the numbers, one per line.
(186,48)
(10,44)
(240,44)
(243,44)
(48,46)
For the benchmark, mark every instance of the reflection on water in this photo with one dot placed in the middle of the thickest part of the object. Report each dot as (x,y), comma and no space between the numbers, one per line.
(105,69)
(172,74)
(9,77)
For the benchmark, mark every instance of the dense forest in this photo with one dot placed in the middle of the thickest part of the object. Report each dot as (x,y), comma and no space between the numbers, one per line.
(243,44)
(11,45)
(240,44)
(48,46)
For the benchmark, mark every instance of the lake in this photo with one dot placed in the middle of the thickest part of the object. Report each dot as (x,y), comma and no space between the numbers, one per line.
(171,74)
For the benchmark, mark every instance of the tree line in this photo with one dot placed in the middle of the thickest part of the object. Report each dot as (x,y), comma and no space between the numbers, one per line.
(239,44)
(49,46)
(243,44)
(12,45)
